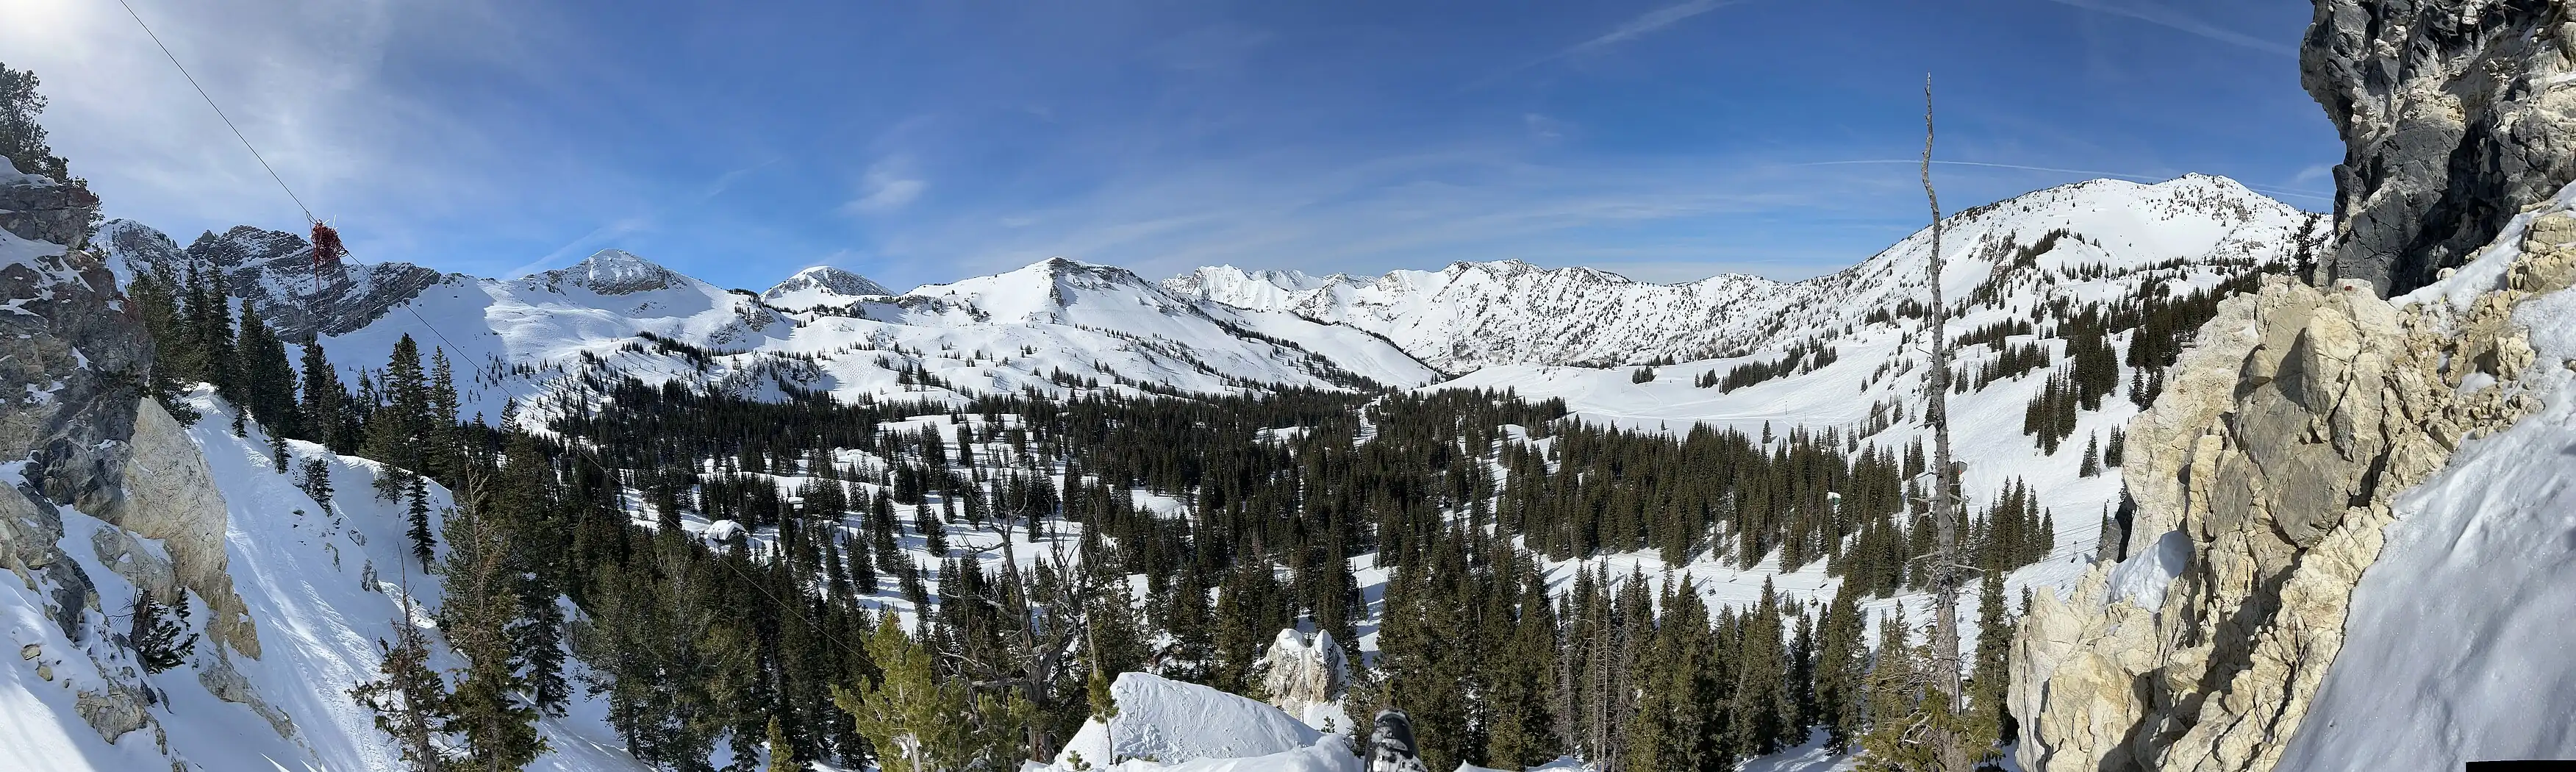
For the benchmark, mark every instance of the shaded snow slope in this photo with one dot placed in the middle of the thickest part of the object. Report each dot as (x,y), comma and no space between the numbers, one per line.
(1472,315)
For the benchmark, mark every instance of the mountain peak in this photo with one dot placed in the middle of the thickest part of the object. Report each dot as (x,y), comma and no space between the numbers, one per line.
(615,272)
(821,284)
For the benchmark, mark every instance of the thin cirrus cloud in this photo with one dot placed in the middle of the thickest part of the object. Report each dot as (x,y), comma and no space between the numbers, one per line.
(2162,16)
(885,191)
(1642,25)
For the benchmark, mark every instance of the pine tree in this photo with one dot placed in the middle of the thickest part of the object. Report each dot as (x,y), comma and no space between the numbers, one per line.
(782,757)
(492,720)
(316,481)
(323,402)
(267,383)
(154,295)
(423,545)
(443,454)
(2092,464)
(1841,665)
(410,700)
(1988,720)
(158,632)
(921,722)
(1761,703)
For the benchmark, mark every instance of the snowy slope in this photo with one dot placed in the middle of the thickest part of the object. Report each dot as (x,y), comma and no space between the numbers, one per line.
(1472,315)
(322,586)
(2119,238)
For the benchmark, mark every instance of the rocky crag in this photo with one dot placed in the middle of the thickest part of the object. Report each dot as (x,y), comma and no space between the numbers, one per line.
(2455,114)
(84,439)
(2265,473)
(274,271)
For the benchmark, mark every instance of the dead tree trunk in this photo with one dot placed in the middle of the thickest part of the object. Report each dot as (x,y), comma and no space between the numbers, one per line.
(1944,562)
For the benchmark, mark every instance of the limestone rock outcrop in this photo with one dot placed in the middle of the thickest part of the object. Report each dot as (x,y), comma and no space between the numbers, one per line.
(2455,114)
(1299,673)
(2275,451)
(170,495)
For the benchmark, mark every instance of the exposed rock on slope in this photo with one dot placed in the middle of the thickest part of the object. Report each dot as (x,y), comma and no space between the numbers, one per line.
(2275,454)
(80,355)
(274,271)
(2455,114)
(822,285)
(2282,441)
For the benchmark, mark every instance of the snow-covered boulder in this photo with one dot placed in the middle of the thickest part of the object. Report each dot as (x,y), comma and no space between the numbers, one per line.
(1169,726)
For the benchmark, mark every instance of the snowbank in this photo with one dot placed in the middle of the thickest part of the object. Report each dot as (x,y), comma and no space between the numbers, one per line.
(1169,726)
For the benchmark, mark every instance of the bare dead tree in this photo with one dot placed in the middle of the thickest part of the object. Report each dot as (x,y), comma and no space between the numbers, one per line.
(1944,562)
(1050,608)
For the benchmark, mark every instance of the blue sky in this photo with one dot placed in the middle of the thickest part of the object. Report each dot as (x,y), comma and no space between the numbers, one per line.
(924,142)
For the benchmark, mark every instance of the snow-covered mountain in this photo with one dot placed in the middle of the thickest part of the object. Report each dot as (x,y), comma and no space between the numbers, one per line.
(822,286)
(1471,315)
(1054,326)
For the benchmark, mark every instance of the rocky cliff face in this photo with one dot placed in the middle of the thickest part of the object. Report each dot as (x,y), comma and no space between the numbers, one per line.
(2455,114)
(274,271)
(2265,473)
(80,356)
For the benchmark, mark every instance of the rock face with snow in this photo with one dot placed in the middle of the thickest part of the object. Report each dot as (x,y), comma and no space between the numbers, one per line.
(274,271)
(2286,441)
(79,357)
(2276,451)
(1302,674)
(2454,114)
(822,285)
(613,272)
(1472,315)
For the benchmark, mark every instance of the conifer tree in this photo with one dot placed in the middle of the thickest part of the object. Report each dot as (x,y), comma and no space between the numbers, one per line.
(1841,665)
(494,723)
(921,722)
(423,545)
(1988,720)
(267,387)
(316,481)
(154,295)
(158,632)
(409,700)
(324,402)
(782,757)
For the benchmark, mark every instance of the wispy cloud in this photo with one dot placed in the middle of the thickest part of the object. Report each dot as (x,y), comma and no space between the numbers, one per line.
(2161,16)
(1644,24)
(885,189)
